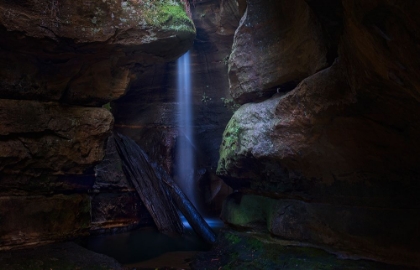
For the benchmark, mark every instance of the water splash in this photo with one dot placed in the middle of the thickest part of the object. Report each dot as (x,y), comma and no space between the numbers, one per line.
(185,144)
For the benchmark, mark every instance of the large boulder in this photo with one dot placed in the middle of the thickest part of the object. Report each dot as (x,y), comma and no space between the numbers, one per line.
(334,227)
(277,44)
(63,50)
(341,142)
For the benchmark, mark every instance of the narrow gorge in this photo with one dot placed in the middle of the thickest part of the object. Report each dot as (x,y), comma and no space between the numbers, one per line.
(306,144)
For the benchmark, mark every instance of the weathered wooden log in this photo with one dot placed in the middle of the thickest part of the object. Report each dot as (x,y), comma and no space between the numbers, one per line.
(197,222)
(148,176)
(150,189)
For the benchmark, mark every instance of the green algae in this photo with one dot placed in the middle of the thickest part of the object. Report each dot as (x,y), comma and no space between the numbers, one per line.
(230,146)
(169,16)
(162,14)
(157,15)
(236,250)
(107,106)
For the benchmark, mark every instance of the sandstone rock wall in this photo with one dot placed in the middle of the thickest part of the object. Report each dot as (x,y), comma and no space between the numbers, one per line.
(338,154)
(60,61)
(273,52)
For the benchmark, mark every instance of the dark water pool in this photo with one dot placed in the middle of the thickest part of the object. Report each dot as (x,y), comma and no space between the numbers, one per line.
(147,243)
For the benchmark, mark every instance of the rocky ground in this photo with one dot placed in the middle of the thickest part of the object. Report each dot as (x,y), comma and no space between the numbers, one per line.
(61,256)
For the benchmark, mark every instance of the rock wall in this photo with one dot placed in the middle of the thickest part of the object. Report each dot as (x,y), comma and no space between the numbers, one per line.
(60,61)
(333,161)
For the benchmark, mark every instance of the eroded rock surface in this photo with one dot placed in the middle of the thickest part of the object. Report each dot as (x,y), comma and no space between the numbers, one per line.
(63,50)
(343,142)
(59,62)
(277,44)
(46,150)
(41,137)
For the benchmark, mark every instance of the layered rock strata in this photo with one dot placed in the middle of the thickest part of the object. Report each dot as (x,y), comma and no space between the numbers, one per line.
(60,61)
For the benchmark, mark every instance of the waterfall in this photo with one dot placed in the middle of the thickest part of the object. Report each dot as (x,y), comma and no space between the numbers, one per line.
(185,143)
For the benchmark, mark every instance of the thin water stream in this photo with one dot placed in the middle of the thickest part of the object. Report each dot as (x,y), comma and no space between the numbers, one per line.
(185,143)
(148,247)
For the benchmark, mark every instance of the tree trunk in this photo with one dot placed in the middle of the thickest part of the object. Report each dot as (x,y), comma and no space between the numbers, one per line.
(151,190)
(156,189)
(194,218)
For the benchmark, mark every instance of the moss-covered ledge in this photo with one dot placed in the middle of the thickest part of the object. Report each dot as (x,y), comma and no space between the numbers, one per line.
(96,20)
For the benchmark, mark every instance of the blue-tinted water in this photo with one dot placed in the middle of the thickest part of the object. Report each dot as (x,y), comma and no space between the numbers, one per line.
(145,244)
(185,143)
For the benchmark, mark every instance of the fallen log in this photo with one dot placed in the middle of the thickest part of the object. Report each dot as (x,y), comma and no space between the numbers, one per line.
(197,222)
(150,189)
(149,177)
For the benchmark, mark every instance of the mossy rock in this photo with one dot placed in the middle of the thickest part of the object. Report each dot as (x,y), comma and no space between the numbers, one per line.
(239,250)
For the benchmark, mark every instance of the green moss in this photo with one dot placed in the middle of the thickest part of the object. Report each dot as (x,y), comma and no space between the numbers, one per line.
(231,135)
(107,106)
(233,239)
(230,104)
(163,14)
(160,14)
(252,210)
(169,15)
(230,146)
(205,98)
(237,250)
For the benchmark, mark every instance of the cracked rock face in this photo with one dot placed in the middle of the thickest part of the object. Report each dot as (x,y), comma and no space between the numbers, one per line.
(344,138)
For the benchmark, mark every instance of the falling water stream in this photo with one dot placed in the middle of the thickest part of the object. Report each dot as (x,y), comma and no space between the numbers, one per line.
(147,246)
(185,143)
